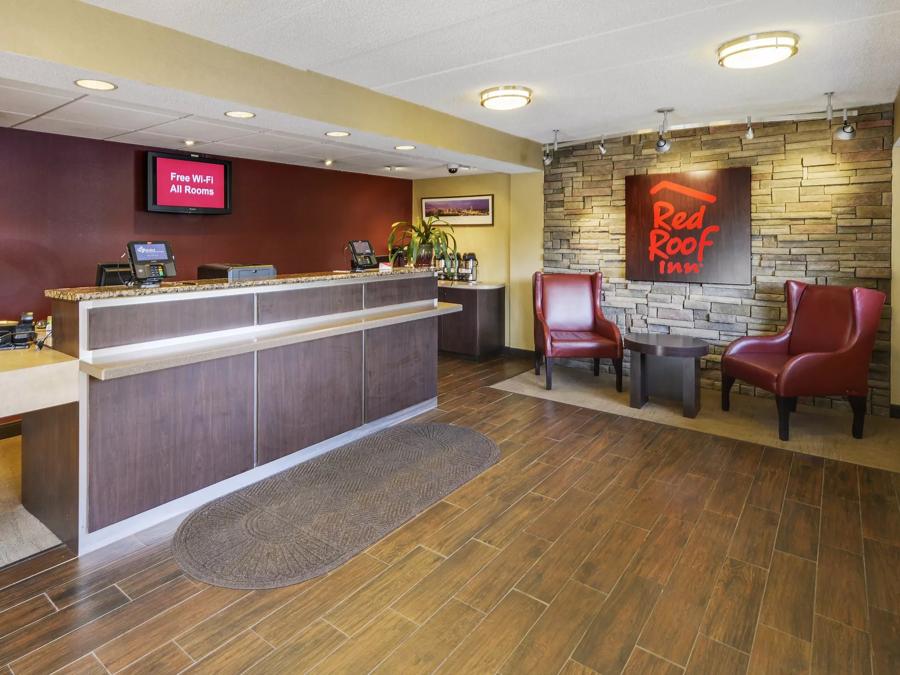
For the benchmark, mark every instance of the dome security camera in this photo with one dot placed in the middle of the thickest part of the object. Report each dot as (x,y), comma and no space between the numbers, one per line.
(452,168)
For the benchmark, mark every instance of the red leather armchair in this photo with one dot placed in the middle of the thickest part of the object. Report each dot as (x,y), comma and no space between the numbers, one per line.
(569,323)
(824,350)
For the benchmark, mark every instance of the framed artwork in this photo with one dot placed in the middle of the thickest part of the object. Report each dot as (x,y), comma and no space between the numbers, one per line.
(468,210)
(692,226)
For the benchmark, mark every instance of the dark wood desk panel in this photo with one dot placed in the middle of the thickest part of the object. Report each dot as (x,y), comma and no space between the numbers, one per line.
(127,324)
(161,435)
(65,327)
(50,469)
(398,291)
(307,393)
(308,302)
(480,328)
(401,367)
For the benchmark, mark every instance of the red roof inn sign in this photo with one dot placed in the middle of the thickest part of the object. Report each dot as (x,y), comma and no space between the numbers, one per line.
(692,226)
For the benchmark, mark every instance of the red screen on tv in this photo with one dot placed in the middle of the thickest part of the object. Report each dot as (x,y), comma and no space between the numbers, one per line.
(188,185)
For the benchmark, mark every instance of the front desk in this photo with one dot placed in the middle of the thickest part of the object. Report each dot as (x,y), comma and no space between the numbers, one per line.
(192,390)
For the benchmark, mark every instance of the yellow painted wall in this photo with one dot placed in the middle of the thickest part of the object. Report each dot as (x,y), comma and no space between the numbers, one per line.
(510,251)
(526,253)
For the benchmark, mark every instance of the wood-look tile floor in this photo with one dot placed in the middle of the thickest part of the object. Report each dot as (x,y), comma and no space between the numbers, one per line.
(597,544)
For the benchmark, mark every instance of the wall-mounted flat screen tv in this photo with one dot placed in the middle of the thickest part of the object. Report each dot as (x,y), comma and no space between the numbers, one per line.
(188,184)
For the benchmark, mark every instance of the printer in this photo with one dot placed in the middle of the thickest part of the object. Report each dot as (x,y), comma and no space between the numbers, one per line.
(236,271)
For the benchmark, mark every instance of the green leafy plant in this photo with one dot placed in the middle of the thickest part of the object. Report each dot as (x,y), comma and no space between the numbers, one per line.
(422,239)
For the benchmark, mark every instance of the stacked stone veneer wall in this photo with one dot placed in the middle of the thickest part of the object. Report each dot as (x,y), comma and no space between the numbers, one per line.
(821,213)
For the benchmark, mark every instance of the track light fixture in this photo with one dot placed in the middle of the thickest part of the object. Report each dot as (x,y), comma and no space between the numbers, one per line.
(548,153)
(663,144)
(749,133)
(847,132)
(602,146)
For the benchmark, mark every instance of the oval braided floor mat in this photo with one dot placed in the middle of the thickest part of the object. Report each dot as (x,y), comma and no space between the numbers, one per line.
(309,519)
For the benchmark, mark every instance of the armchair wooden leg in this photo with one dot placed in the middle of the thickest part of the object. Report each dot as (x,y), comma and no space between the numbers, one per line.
(537,362)
(596,367)
(727,383)
(617,364)
(858,404)
(784,417)
(548,362)
(793,401)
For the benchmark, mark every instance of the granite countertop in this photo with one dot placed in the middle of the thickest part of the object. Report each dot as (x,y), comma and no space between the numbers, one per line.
(191,286)
(471,285)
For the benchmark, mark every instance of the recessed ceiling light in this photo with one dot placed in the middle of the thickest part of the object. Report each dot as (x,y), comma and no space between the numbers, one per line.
(506,97)
(337,134)
(328,162)
(188,142)
(240,114)
(758,50)
(404,147)
(96,85)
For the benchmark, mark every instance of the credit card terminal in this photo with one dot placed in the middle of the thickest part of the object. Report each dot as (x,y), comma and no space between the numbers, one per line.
(151,262)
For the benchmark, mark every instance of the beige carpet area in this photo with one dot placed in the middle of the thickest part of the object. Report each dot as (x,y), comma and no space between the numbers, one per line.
(815,431)
(21,534)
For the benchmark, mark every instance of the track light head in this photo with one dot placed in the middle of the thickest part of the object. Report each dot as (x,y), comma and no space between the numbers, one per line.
(847,132)
(663,144)
(601,146)
(749,133)
(548,153)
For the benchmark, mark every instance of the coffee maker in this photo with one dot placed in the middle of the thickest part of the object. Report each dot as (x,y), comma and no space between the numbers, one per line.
(468,268)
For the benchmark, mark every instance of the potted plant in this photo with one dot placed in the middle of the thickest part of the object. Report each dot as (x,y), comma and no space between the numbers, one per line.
(421,242)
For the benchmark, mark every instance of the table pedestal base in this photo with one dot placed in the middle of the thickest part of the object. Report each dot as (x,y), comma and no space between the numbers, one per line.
(669,377)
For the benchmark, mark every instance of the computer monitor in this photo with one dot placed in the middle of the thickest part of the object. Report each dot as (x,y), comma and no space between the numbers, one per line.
(113,274)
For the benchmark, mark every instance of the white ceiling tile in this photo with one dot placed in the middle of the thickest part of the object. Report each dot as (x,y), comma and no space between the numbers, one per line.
(8,119)
(274,142)
(67,128)
(103,113)
(156,141)
(29,102)
(203,130)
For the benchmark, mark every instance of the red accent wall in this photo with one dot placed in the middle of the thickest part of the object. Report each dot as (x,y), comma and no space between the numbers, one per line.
(68,203)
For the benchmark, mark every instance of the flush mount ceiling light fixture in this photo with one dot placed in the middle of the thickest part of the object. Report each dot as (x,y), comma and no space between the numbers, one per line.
(240,114)
(506,97)
(328,162)
(663,144)
(758,49)
(96,85)
(749,133)
(189,142)
(548,153)
(337,134)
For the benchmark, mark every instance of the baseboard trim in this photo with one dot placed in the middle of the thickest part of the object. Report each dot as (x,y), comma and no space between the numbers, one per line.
(895,411)
(515,351)
(10,429)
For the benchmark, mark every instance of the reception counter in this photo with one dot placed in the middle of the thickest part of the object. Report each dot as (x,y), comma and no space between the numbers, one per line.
(192,390)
